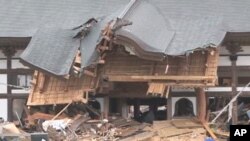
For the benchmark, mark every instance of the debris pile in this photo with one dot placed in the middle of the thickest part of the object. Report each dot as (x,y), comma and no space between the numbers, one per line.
(81,126)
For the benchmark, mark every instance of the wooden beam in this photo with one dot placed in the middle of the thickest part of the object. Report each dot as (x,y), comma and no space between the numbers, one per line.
(14,96)
(9,77)
(16,71)
(58,114)
(89,73)
(234,91)
(123,78)
(42,82)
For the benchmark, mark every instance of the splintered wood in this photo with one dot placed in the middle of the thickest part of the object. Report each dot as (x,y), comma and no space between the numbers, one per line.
(158,89)
(59,91)
(179,130)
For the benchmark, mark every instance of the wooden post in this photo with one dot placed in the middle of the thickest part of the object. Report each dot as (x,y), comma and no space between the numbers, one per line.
(234,48)
(137,109)
(233,59)
(169,108)
(201,104)
(9,52)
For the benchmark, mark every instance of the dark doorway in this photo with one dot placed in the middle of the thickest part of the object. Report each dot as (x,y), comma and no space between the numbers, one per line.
(184,107)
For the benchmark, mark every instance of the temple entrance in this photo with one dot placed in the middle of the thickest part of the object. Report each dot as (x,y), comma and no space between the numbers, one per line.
(183,107)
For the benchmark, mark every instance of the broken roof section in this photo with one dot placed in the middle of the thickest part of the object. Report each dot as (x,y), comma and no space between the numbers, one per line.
(168,28)
(149,29)
(53,49)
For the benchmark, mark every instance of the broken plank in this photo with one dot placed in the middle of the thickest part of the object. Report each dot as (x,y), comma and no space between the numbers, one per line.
(211,133)
(39,115)
(78,120)
(57,115)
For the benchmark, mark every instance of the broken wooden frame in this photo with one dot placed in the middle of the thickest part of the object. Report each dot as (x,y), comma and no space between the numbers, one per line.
(199,69)
(51,91)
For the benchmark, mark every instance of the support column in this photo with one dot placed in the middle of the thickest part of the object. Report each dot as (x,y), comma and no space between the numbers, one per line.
(169,108)
(202,104)
(9,52)
(137,109)
(233,59)
(234,48)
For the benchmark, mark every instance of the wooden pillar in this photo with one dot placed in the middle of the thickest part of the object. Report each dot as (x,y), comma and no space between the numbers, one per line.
(10,100)
(233,59)
(137,109)
(201,104)
(9,52)
(169,108)
(234,48)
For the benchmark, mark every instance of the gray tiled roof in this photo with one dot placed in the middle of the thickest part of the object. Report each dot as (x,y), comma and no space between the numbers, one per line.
(52,49)
(185,25)
(22,18)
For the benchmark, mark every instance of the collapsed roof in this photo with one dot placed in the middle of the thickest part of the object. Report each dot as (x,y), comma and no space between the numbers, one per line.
(158,27)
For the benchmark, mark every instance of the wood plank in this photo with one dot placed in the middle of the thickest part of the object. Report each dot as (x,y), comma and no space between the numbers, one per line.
(186,123)
(122,78)
(211,133)
(42,82)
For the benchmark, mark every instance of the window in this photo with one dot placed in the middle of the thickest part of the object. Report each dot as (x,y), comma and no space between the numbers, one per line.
(225,81)
(23,80)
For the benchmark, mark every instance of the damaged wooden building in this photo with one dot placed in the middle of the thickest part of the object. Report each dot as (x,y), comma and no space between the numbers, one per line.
(138,53)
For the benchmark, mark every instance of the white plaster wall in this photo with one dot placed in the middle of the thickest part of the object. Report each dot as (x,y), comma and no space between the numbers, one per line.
(192,99)
(16,64)
(2,55)
(242,61)
(3,109)
(3,64)
(3,79)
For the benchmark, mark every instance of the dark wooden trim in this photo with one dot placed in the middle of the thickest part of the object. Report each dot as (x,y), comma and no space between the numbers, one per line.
(13,58)
(14,96)
(169,107)
(16,71)
(238,55)
(10,100)
(208,94)
(234,92)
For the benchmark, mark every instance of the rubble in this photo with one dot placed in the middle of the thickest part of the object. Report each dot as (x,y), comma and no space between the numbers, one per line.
(67,126)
